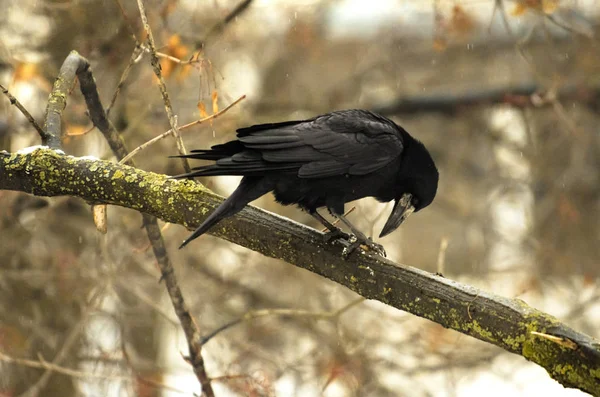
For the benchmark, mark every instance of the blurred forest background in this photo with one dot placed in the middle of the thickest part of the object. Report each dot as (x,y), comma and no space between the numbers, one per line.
(505,94)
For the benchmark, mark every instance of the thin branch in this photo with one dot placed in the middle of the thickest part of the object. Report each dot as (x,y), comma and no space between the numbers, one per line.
(183,127)
(43,364)
(136,55)
(148,300)
(441,260)
(523,96)
(69,343)
(98,116)
(127,21)
(50,367)
(499,5)
(193,58)
(162,86)
(14,101)
(253,314)
(220,25)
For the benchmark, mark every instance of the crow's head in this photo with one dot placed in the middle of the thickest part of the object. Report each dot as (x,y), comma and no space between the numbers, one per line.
(418,182)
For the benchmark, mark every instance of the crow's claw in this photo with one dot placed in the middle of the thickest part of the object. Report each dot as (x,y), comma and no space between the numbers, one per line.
(377,248)
(366,245)
(336,234)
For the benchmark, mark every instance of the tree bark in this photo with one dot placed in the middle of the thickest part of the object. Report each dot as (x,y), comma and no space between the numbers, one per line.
(570,357)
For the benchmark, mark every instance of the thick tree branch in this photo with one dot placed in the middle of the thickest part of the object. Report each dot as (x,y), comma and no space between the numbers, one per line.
(570,357)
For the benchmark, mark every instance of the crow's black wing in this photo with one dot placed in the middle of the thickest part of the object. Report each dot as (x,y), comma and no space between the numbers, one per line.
(353,142)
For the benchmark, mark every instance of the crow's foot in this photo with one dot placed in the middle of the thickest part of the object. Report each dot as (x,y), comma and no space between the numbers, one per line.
(336,234)
(366,244)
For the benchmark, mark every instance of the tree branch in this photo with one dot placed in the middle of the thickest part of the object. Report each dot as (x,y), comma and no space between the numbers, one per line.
(523,96)
(76,65)
(570,357)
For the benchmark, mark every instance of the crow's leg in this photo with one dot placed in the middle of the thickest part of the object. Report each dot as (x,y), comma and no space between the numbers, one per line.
(335,233)
(361,239)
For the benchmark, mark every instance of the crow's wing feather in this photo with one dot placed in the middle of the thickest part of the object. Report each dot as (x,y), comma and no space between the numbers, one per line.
(348,142)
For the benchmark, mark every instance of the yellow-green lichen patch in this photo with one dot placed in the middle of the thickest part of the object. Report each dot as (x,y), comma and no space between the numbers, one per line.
(118,174)
(479,330)
(515,343)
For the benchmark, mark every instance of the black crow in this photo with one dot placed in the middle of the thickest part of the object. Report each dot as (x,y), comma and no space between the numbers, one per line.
(325,161)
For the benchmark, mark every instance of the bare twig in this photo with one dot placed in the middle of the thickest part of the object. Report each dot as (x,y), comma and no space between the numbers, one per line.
(219,26)
(68,344)
(499,5)
(14,101)
(251,315)
(190,328)
(162,86)
(194,58)
(51,367)
(551,96)
(116,143)
(522,96)
(183,127)
(74,373)
(80,66)
(136,55)
(441,260)
(127,22)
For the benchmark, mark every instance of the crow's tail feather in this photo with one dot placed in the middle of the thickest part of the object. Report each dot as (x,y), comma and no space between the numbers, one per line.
(216,152)
(250,189)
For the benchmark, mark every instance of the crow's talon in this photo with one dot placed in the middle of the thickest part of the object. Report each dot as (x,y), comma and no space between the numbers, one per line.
(336,234)
(377,248)
(350,248)
(367,245)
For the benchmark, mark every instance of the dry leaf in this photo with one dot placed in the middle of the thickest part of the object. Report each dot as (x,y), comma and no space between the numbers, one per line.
(215,106)
(176,49)
(461,22)
(100,217)
(78,130)
(25,72)
(545,6)
(202,110)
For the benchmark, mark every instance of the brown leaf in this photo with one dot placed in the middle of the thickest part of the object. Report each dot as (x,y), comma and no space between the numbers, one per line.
(545,6)
(202,110)
(77,130)
(461,23)
(176,49)
(25,72)
(215,105)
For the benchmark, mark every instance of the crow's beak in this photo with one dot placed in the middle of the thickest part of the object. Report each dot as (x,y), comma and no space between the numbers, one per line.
(402,209)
